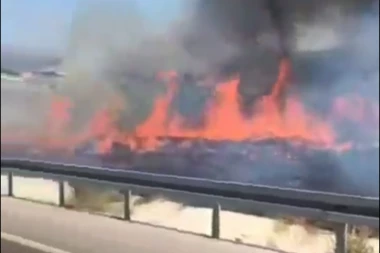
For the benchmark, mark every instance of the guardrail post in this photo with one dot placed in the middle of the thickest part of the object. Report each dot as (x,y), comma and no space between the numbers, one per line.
(215,221)
(61,193)
(127,205)
(341,235)
(10,184)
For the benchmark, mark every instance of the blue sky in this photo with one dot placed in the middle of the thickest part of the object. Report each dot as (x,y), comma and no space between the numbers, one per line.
(36,24)
(45,24)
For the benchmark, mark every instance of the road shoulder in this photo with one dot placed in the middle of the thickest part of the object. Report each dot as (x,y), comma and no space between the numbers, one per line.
(79,232)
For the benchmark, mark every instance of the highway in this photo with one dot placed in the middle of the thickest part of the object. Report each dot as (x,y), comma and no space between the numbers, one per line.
(8,246)
(28,227)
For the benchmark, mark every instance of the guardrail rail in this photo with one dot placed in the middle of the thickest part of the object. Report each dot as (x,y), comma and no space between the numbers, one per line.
(340,210)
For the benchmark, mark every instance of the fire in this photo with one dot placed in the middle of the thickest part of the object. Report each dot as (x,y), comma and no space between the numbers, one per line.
(225,122)
(59,116)
(275,116)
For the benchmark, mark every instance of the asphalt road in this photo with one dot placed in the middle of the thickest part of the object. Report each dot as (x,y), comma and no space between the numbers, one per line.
(36,228)
(13,247)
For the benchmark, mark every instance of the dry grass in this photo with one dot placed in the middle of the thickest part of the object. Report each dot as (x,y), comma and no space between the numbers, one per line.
(357,241)
(358,238)
(282,225)
(358,244)
(92,198)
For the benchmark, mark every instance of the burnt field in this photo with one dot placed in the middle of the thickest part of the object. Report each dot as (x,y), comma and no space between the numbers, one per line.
(273,163)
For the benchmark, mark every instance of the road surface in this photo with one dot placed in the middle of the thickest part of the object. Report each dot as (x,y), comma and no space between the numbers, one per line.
(8,246)
(54,230)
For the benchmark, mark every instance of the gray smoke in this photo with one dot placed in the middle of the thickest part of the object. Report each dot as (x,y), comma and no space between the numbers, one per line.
(114,49)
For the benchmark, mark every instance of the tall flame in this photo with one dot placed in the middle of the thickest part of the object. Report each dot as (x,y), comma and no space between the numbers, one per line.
(223,119)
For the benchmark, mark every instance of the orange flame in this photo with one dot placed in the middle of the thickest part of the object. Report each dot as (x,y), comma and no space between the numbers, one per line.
(223,119)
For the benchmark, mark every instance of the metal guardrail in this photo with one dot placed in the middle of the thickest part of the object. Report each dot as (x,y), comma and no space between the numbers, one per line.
(340,210)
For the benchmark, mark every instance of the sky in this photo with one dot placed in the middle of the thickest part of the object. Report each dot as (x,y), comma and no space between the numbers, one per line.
(37,24)
(44,25)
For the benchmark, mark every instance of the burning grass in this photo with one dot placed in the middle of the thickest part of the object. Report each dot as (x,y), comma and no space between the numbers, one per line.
(275,116)
(280,138)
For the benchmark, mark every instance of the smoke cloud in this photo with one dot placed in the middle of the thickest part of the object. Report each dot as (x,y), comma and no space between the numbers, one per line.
(115,50)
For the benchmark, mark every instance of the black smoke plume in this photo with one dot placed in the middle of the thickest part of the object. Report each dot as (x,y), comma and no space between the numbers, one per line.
(116,50)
